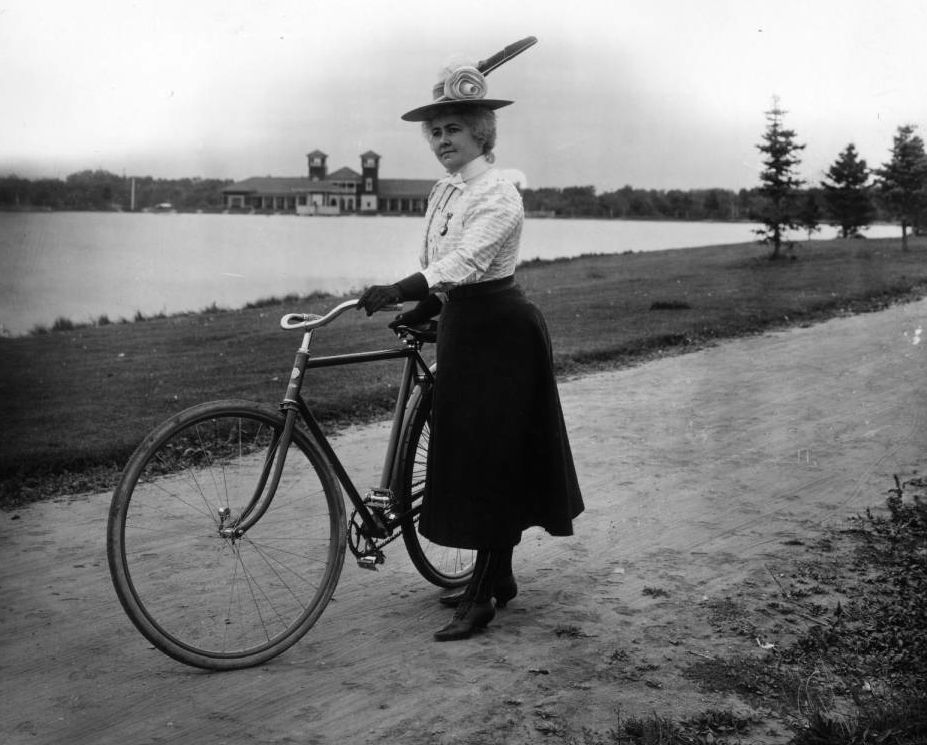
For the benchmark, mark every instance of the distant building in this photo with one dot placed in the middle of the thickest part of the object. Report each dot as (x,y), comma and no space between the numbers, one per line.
(321,193)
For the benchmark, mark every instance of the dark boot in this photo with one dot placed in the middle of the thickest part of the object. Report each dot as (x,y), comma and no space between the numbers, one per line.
(503,585)
(503,582)
(475,610)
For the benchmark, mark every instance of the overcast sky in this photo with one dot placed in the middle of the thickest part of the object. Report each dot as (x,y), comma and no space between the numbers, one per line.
(658,94)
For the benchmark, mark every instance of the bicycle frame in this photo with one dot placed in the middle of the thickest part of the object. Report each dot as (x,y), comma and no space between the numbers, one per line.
(415,372)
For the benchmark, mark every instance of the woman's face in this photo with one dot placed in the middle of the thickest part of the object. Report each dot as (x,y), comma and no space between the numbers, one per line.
(453,143)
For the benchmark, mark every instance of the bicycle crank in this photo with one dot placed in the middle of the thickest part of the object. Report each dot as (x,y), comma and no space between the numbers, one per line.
(368,552)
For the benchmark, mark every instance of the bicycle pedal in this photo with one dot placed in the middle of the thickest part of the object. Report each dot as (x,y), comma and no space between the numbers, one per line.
(370,561)
(380,498)
(381,501)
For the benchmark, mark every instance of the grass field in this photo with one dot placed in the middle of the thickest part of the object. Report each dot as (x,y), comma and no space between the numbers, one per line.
(75,402)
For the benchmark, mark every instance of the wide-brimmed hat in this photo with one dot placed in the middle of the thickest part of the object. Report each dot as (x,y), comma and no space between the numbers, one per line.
(463,86)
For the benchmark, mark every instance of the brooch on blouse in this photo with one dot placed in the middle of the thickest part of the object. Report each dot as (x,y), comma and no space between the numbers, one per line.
(447,219)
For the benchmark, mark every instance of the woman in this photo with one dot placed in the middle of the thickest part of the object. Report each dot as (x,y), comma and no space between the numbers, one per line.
(499,459)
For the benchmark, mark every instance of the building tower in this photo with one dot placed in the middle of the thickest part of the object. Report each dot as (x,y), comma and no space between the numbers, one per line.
(318,170)
(370,181)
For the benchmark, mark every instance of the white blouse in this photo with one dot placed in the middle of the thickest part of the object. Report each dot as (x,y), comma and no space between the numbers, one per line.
(473,228)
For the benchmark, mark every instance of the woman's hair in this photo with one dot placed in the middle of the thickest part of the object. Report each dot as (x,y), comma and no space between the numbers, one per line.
(480,120)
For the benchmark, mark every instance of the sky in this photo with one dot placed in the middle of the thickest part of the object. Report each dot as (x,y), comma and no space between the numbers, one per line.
(661,94)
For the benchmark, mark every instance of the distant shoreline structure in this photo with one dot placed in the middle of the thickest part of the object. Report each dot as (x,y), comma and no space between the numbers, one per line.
(322,194)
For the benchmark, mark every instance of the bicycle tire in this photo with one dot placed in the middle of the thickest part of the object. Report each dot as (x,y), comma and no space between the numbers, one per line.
(198,591)
(440,565)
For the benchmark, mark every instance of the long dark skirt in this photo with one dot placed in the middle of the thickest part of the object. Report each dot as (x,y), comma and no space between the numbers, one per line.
(499,459)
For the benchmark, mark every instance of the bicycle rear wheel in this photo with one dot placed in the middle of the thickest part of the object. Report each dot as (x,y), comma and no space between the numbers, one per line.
(440,565)
(213,569)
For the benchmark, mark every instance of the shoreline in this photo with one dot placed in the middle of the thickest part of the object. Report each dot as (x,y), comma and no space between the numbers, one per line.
(66,323)
(129,268)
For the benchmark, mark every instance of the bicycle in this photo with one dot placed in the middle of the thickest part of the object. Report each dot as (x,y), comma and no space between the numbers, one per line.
(227,531)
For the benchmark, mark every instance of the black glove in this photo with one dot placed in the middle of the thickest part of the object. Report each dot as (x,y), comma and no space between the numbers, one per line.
(413,287)
(424,311)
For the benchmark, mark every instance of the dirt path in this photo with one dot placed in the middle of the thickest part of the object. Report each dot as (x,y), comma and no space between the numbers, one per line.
(697,470)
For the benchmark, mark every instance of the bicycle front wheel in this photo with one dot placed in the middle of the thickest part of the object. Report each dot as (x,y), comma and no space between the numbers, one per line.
(440,565)
(211,567)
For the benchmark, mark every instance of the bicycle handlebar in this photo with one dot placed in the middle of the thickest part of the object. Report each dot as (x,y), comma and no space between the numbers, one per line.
(310,321)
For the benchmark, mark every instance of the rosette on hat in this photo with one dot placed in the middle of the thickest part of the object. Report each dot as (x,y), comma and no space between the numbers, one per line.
(465,82)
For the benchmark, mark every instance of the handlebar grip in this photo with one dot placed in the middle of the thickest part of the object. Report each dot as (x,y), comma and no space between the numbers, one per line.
(295,320)
(310,321)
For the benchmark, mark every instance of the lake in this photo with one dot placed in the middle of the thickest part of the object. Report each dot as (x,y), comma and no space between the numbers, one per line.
(83,265)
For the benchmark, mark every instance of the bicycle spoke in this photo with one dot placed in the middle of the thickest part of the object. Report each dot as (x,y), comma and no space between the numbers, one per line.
(257,606)
(274,569)
(207,512)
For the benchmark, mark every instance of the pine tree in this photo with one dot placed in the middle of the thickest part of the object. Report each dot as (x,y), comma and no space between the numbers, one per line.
(779,181)
(903,181)
(846,193)
(809,214)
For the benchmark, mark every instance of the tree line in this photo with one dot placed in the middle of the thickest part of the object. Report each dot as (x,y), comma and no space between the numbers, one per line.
(102,190)
(654,204)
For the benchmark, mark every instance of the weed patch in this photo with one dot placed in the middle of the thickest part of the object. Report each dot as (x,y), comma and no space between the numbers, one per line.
(857,671)
(711,727)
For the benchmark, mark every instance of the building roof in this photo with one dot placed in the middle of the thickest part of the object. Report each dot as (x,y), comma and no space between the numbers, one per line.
(405,187)
(344,174)
(317,152)
(268,184)
(280,186)
(369,154)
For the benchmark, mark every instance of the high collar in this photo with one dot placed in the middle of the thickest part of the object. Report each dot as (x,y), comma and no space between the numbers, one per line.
(476,167)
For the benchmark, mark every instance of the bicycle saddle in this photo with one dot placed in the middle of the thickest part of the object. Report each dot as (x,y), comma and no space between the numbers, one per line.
(425,332)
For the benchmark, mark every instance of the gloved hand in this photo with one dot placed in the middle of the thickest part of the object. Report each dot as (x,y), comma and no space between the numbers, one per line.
(424,311)
(413,287)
